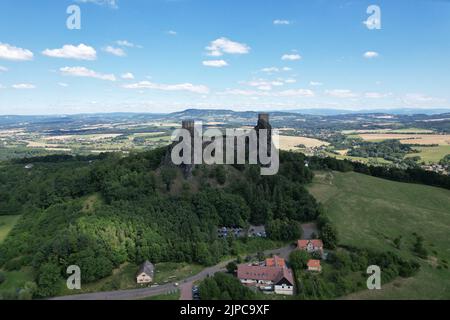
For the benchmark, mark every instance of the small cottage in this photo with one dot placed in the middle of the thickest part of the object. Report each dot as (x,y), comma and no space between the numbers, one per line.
(146,273)
(314,265)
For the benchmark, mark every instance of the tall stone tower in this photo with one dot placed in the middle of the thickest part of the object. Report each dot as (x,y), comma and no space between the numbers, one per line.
(189,125)
(263,123)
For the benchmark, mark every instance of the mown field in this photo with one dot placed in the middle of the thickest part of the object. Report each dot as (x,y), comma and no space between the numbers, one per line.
(431,154)
(372,212)
(6,224)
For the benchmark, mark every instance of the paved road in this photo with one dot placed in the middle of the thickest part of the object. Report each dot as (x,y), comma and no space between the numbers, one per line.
(134,294)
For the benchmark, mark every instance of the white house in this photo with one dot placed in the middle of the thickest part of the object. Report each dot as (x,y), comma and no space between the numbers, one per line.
(146,273)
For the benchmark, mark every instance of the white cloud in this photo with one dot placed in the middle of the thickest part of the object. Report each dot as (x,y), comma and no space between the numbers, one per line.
(270,69)
(110,3)
(2,86)
(303,93)
(297,93)
(3,69)
(421,98)
(281,22)
(215,63)
(119,52)
(169,87)
(376,95)
(84,72)
(341,93)
(370,54)
(315,83)
(9,52)
(291,57)
(290,80)
(223,45)
(24,86)
(172,33)
(275,69)
(63,84)
(80,52)
(125,43)
(128,76)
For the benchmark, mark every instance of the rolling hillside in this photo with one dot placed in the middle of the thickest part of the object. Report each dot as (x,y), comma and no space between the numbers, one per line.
(372,212)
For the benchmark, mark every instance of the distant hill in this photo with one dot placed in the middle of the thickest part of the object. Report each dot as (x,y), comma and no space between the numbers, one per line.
(398,111)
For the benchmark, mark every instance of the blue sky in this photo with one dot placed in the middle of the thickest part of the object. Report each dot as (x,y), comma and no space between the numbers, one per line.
(169,55)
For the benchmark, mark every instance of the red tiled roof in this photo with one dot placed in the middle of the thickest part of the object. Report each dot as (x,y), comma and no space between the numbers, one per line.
(302,244)
(276,261)
(258,272)
(317,243)
(287,274)
(314,263)
(274,274)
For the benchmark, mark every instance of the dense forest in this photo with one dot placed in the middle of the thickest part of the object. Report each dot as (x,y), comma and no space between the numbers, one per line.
(99,212)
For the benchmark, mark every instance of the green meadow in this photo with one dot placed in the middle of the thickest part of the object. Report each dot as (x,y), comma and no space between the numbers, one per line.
(371,212)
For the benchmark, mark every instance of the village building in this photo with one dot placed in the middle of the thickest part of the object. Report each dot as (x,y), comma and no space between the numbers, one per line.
(314,265)
(275,261)
(145,273)
(310,245)
(272,276)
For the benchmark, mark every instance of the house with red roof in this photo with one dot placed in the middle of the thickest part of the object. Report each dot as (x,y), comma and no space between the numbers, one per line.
(315,245)
(314,265)
(275,261)
(272,276)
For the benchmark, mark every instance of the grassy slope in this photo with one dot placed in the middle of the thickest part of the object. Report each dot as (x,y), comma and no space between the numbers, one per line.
(6,224)
(371,212)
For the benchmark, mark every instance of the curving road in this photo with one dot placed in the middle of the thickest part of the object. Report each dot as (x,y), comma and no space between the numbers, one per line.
(185,285)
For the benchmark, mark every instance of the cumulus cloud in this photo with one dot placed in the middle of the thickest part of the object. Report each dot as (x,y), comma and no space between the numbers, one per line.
(376,95)
(301,93)
(371,54)
(84,72)
(21,86)
(215,63)
(68,51)
(10,52)
(275,69)
(297,93)
(172,33)
(281,22)
(169,87)
(291,57)
(128,76)
(315,83)
(341,93)
(119,52)
(223,45)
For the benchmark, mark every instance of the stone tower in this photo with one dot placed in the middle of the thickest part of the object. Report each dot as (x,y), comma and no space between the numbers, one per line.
(263,123)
